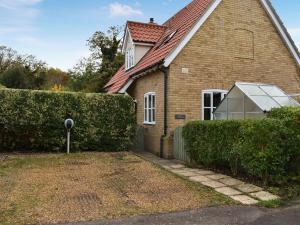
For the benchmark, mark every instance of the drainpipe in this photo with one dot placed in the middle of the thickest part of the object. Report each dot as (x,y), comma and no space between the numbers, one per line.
(165,132)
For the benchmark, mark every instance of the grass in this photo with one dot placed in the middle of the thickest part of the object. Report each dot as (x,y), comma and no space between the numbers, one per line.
(45,189)
(272,204)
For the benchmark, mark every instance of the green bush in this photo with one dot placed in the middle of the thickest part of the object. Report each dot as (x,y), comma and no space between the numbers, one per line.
(267,149)
(34,121)
(210,143)
(285,113)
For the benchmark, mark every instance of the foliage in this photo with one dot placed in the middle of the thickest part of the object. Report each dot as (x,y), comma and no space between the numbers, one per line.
(34,121)
(207,142)
(271,204)
(26,72)
(267,149)
(21,77)
(285,113)
(56,77)
(91,74)
(57,88)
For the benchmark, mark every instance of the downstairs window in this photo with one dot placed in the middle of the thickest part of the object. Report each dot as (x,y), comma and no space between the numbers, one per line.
(149,108)
(210,101)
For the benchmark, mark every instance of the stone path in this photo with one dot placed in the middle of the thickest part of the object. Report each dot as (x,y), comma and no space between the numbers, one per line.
(247,194)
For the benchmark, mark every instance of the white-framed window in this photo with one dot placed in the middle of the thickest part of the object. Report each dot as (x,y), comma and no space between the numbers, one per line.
(149,108)
(129,58)
(210,101)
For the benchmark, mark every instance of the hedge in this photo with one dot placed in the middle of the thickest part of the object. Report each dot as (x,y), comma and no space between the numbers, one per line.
(34,121)
(286,113)
(266,149)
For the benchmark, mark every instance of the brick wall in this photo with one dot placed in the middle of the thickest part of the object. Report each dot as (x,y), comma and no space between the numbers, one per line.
(150,83)
(237,43)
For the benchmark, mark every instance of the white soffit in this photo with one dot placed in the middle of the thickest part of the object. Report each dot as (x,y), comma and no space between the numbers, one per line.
(126,86)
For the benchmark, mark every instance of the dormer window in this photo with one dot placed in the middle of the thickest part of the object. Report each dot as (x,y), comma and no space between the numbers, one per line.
(129,58)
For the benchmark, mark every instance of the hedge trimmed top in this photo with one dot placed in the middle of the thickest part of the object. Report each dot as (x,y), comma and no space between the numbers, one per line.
(34,121)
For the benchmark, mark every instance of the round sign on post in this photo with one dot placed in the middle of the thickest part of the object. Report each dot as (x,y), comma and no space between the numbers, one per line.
(69,124)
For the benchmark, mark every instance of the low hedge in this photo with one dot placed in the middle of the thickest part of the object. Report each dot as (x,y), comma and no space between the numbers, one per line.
(210,143)
(34,121)
(267,149)
(286,113)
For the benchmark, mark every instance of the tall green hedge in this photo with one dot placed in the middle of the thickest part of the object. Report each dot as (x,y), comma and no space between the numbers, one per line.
(268,149)
(34,121)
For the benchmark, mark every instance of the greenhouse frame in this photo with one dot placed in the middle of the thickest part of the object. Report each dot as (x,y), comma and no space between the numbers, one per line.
(252,100)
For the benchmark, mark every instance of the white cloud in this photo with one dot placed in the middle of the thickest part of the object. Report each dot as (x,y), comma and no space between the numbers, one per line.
(15,4)
(118,9)
(30,41)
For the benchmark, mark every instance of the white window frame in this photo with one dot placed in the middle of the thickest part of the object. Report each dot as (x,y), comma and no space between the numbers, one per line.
(129,58)
(152,108)
(211,92)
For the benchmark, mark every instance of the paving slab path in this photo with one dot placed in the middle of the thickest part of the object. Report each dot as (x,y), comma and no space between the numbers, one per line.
(242,192)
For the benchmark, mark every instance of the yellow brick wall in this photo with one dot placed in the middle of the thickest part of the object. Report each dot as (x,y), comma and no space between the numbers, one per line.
(150,83)
(237,43)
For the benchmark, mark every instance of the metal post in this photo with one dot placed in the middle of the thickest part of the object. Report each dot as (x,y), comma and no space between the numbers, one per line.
(68,142)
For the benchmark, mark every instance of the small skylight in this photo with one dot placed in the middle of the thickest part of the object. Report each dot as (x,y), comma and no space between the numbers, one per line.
(166,39)
(169,37)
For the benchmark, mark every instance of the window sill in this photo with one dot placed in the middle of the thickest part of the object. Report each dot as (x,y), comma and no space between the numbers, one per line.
(148,123)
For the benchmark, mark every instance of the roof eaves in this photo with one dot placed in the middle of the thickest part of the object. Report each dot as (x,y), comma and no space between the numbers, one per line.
(282,29)
(173,54)
(138,75)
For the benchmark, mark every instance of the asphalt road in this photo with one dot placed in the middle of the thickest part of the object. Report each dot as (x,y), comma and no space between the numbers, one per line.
(228,215)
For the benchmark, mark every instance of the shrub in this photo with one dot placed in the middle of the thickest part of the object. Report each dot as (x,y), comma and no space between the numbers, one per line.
(34,121)
(285,113)
(268,149)
(211,142)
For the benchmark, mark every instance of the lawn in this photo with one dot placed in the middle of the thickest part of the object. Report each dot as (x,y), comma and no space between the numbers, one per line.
(46,188)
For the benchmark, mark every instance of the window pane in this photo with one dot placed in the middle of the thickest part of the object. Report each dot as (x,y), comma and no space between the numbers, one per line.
(207,100)
(153,101)
(207,114)
(153,114)
(145,119)
(217,98)
(145,106)
(150,115)
(149,101)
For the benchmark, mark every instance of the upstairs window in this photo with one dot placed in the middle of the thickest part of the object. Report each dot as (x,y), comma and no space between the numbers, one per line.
(210,101)
(129,58)
(149,108)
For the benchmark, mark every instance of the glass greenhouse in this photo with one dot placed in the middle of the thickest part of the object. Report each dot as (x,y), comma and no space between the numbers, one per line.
(250,100)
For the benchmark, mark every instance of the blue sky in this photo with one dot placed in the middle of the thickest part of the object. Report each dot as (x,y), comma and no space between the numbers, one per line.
(56,30)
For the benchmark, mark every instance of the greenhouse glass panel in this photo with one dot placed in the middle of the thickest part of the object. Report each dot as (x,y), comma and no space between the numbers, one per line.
(273,91)
(250,100)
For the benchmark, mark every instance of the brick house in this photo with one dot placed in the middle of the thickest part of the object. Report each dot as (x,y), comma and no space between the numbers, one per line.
(196,56)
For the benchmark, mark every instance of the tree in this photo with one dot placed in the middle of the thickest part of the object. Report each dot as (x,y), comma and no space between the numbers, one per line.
(56,77)
(15,77)
(21,71)
(91,74)
(8,57)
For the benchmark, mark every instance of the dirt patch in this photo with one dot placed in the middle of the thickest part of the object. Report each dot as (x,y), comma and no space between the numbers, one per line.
(47,189)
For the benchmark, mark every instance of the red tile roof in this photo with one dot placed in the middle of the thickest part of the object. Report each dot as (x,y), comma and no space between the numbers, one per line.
(181,23)
(145,32)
